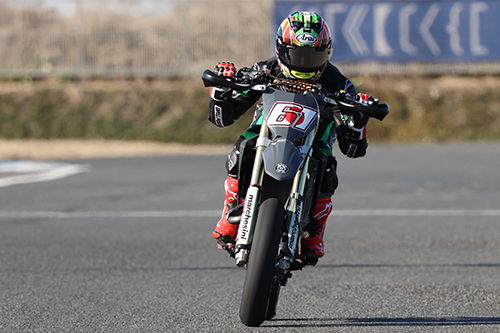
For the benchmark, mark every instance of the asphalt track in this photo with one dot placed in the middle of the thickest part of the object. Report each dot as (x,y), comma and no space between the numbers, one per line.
(124,245)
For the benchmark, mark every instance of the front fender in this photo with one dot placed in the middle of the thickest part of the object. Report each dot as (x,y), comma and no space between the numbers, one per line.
(281,159)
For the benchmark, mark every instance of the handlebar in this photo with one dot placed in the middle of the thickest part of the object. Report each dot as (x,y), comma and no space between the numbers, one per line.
(348,104)
(210,79)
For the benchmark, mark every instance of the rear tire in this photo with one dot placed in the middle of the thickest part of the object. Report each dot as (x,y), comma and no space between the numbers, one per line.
(262,264)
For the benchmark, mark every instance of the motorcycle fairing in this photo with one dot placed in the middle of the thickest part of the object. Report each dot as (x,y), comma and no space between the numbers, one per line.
(290,117)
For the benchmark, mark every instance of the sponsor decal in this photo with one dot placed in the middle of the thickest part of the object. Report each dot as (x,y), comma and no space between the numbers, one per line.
(218,116)
(294,228)
(307,39)
(247,215)
(352,150)
(281,168)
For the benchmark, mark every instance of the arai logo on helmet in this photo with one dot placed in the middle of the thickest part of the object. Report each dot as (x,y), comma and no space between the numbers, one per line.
(281,168)
(307,39)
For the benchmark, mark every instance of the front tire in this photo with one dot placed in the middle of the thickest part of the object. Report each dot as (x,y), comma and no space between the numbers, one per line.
(262,264)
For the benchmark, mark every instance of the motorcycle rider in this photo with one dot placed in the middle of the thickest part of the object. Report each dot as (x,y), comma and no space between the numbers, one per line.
(303,49)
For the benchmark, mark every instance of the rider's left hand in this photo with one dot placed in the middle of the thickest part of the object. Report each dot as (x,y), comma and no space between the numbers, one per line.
(357,126)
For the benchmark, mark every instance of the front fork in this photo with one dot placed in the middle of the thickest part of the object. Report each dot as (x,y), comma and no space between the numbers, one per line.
(289,245)
(294,207)
(250,207)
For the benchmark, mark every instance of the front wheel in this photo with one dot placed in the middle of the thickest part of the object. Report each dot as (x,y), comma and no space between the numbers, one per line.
(262,264)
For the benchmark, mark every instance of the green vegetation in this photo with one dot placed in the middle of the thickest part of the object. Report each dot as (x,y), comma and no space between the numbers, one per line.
(437,109)
(428,109)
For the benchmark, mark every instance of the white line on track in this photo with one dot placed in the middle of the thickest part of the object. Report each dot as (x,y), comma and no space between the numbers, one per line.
(124,214)
(25,172)
(216,213)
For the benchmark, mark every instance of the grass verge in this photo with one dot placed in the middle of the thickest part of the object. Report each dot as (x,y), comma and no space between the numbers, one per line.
(423,109)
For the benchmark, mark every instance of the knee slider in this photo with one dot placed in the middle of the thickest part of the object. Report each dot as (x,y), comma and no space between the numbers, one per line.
(232,163)
(330,179)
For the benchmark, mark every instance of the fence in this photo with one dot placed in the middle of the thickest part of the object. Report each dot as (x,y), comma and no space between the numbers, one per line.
(130,38)
(151,38)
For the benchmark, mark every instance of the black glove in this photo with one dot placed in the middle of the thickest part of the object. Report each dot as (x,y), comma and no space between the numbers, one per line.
(357,122)
(357,126)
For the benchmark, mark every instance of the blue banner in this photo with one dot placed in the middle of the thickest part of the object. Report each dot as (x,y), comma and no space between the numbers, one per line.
(402,31)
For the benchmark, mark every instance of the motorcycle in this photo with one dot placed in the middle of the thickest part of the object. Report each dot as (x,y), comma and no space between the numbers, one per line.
(281,188)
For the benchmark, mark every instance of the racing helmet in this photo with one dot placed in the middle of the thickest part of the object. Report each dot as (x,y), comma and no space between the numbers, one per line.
(303,45)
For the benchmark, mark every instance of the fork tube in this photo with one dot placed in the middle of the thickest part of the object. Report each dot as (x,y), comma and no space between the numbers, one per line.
(262,141)
(294,209)
(249,215)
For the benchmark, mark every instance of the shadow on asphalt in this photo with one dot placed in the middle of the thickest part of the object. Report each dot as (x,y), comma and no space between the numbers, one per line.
(478,265)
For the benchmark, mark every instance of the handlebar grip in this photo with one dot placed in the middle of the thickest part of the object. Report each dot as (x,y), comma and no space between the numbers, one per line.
(377,111)
(210,79)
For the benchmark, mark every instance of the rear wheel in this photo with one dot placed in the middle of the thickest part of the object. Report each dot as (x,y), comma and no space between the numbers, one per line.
(262,264)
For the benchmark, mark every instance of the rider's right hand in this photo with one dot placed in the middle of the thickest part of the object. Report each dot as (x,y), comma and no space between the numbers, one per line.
(225,69)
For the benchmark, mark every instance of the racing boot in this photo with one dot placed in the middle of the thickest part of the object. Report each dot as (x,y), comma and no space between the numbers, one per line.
(312,246)
(225,232)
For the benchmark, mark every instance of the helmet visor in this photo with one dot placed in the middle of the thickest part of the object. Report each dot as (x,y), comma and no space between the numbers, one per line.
(304,59)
